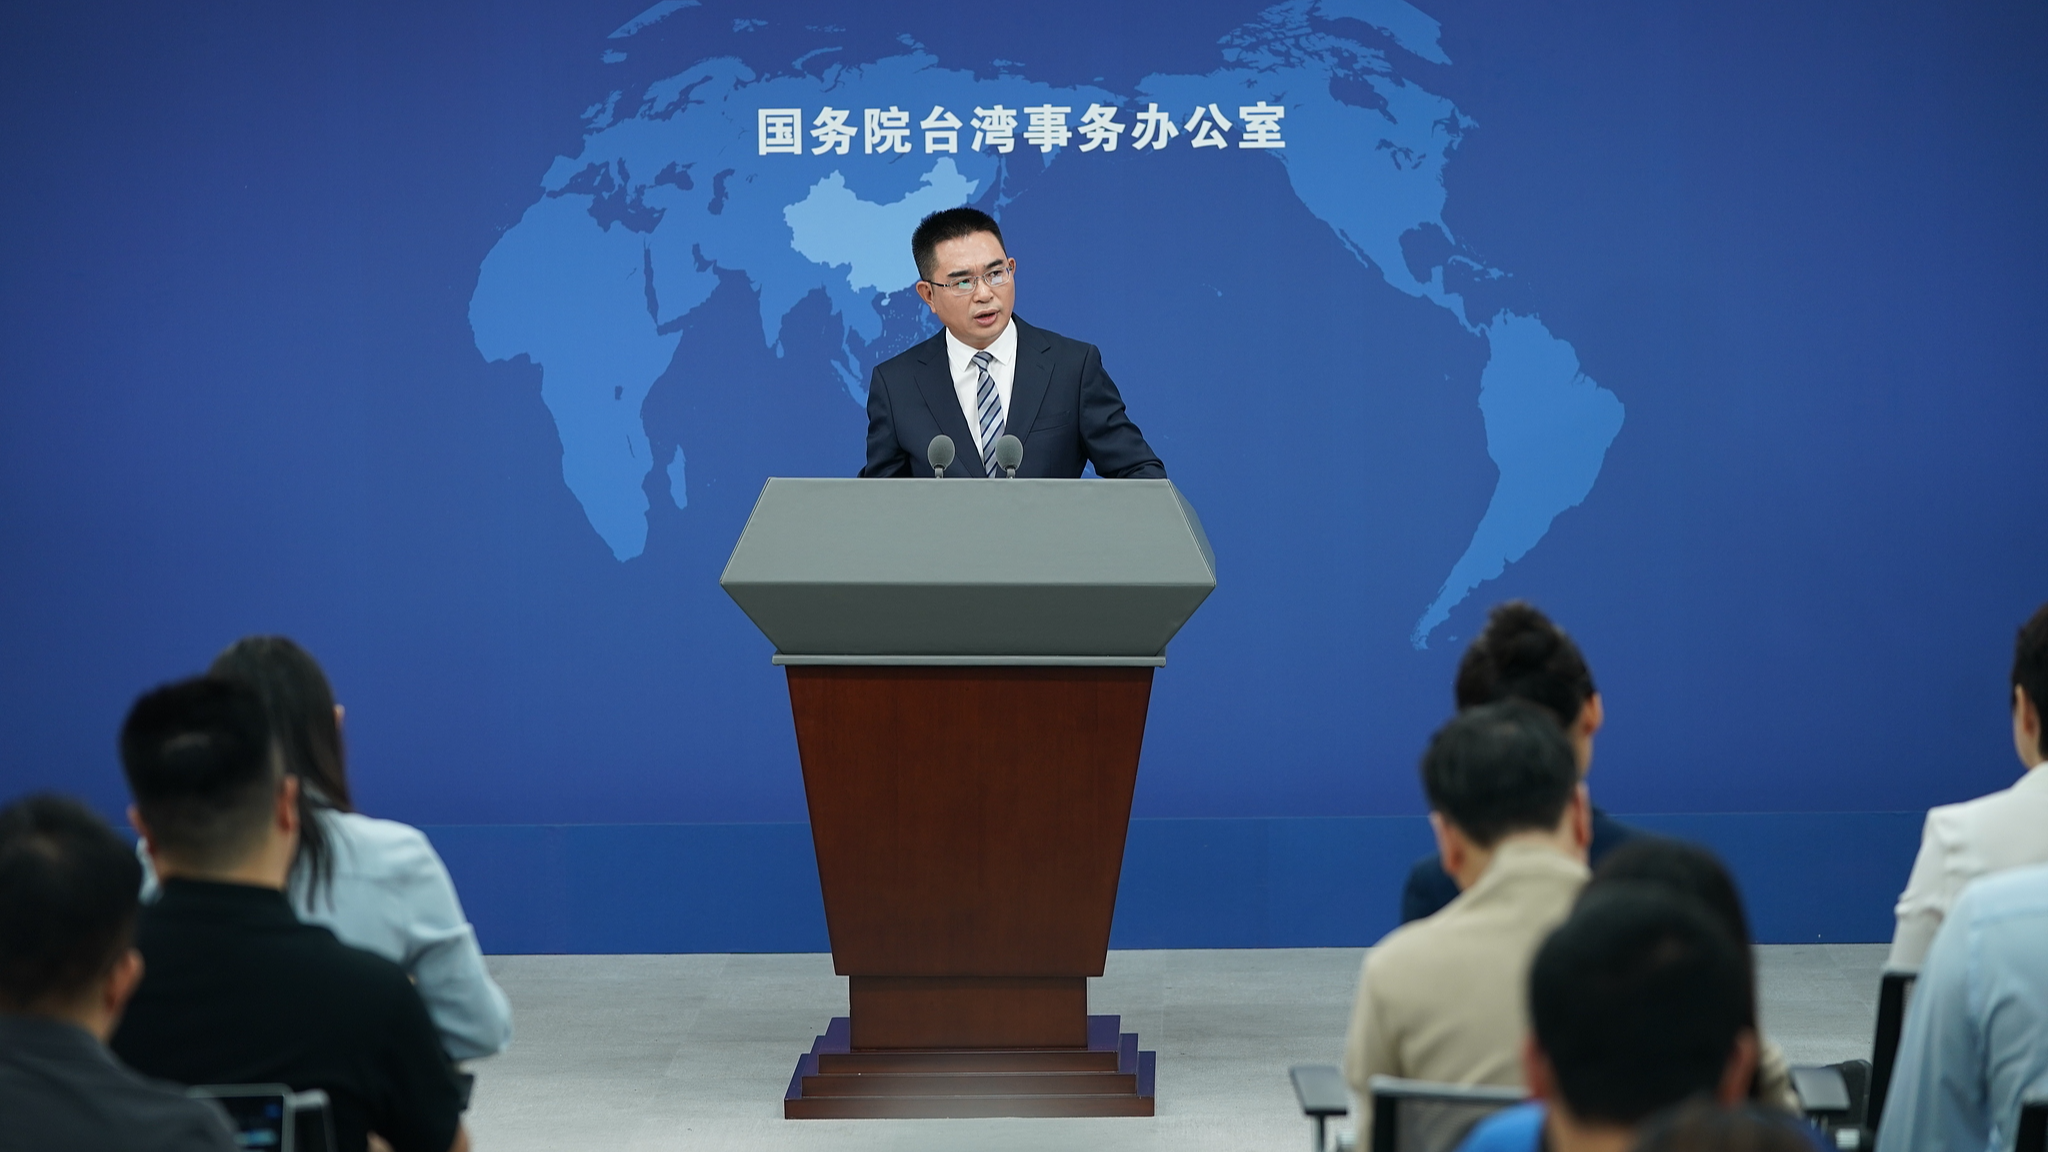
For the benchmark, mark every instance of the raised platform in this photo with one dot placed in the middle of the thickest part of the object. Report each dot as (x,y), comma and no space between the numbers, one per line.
(1109,1077)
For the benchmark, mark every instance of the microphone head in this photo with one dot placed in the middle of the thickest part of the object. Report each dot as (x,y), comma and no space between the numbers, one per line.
(939,453)
(1009,452)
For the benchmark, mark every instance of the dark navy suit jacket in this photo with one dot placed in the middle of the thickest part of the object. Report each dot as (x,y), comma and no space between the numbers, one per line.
(1429,887)
(1063,406)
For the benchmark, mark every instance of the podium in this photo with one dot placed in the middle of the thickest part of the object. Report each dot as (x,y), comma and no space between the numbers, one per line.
(969,667)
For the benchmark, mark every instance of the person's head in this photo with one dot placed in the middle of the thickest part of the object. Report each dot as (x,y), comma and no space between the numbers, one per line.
(306,723)
(211,797)
(1638,1001)
(957,252)
(69,891)
(1497,771)
(1702,1126)
(2030,689)
(1522,655)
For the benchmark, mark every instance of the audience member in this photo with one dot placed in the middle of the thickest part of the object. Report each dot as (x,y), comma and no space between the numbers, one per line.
(1638,1002)
(1976,1037)
(1700,1126)
(1522,655)
(378,884)
(2006,829)
(1442,998)
(239,990)
(67,968)
(1691,871)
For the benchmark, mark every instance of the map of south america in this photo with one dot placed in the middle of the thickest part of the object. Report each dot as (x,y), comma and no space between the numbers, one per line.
(675,183)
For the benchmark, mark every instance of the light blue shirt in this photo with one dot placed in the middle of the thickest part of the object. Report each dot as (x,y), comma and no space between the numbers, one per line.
(1517,1129)
(393,896)
(1976,1038)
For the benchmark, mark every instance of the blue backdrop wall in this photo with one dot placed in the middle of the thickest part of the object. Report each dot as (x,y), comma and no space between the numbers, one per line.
(456,340)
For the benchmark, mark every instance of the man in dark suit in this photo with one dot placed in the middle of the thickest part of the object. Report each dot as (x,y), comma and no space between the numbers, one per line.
(990,373)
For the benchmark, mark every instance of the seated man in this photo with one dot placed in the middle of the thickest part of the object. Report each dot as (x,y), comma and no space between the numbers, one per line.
(1638,1003)
(1976,1038)
(67,920)
(1521,655)
(1441,999)
(2006,829)
(239,991)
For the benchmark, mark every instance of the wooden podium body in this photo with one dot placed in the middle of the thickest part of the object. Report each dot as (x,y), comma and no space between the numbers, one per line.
(969,807)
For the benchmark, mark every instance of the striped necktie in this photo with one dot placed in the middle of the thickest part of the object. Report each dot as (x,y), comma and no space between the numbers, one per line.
(991,408)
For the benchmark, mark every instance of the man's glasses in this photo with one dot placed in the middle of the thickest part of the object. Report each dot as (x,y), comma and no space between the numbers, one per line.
(965,285)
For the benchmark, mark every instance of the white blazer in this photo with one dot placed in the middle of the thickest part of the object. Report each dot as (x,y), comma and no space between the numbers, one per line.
(1961,842)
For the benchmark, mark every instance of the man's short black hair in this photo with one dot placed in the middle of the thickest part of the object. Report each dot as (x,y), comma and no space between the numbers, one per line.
(1637,1001)
(1521,654)
(2030,669)
(68,896)
(950,224)
(1500,768)
(200,765)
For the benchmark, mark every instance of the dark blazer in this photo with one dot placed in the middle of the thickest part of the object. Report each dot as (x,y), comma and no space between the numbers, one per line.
(1429,887)
(1063,406)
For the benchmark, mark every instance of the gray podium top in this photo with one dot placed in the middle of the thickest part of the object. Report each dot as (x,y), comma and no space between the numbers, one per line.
(907,571)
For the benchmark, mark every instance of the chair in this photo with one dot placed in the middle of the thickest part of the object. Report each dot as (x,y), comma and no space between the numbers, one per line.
(1424,1116)
(2033,1127)
(1893,991)
(1323,1097)
(272,1117)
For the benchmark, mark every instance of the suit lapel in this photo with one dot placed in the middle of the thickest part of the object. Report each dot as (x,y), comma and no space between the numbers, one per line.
(1028,383)
(935,383)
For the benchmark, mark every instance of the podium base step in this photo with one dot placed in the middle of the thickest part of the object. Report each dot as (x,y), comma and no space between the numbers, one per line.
(1110,1077)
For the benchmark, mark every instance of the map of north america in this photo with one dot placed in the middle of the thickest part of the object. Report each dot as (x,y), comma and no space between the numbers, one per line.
(675,184)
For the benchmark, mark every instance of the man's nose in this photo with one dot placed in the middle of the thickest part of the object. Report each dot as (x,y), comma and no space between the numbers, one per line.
(982,292)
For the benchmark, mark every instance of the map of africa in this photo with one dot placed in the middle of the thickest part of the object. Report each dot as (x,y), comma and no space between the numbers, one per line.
(678,182)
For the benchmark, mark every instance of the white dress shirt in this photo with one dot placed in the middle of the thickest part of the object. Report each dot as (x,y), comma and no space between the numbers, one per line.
(1960,843)
(1976,1038)
(967,380)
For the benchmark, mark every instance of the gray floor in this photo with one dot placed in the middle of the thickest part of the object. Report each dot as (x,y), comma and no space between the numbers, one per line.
(661,1052)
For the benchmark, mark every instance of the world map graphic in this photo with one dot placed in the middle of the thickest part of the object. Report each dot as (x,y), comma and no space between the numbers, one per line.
(808,179)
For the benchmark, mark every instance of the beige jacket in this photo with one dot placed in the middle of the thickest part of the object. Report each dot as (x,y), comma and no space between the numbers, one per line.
(1444,998)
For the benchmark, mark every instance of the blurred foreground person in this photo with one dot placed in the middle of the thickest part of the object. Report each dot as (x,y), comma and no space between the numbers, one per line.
(67,969)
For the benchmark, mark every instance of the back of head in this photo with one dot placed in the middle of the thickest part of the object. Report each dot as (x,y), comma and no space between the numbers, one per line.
(950,224)
(2030,668)
(68,897)
(1500,769)
(200,765)
(1521,655)
(1682,869)
(1637,1001)
(1701,1126)
(300,704)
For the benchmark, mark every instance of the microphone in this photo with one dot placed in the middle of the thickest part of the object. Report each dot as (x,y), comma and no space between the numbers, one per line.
(939,454)
(1009,454)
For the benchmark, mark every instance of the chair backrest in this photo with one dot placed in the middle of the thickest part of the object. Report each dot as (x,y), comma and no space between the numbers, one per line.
(2033,1127)
(272,1117)
(1893,990)
(1424,1116)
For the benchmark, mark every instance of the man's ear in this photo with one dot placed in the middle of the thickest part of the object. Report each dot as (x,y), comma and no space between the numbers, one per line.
(2026,724)
(924,293)
(142,830)
(1740,1071)
(1536,1071)
(1450,847)
(1581,813)
(121,983)
(1592,714)
(287,813)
